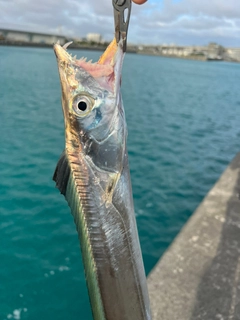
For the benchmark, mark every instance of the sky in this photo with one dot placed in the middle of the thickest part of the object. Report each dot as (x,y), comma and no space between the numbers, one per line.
(180,22)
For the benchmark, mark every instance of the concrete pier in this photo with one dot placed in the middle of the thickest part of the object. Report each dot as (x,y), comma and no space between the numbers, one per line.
(198,278)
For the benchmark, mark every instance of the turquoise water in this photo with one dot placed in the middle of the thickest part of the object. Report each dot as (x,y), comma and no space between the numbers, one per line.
(184,128)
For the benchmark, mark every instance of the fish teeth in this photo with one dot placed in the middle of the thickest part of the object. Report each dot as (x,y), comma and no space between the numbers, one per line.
(67,44)
(83,59)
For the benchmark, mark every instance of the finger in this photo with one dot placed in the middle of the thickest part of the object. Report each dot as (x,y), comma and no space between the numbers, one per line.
(139,1)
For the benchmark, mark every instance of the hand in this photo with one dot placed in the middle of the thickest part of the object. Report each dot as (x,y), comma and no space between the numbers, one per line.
(139,1)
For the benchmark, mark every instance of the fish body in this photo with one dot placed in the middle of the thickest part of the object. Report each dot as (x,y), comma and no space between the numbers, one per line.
(93,175)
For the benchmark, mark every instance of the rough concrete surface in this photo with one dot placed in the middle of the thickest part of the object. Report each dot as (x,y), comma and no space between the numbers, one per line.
(198,278)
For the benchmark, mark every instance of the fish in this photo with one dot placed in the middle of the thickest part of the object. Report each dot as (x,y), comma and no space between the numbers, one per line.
(93,175)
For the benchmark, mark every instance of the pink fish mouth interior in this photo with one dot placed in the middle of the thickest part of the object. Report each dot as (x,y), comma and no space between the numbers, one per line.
(105,71)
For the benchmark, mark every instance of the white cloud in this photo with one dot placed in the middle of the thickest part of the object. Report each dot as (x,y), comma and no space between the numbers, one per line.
(183,21)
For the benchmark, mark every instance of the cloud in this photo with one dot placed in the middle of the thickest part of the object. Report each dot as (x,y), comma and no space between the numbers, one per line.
(202,21)
(157,21)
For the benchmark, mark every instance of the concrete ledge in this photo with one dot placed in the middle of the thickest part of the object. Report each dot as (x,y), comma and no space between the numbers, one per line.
(198,278)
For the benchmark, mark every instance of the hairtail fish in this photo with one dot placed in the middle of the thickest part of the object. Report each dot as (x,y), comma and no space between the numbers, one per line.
(93,175)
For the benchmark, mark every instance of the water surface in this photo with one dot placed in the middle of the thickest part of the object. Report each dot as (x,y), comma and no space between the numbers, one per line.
(184,128)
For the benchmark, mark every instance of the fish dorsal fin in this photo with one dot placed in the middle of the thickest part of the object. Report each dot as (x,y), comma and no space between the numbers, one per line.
(62,173)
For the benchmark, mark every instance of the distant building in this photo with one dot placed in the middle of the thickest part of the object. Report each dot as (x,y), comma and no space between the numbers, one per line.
(181,50)
(215,51)
(30,37)
(233,53)
(94,37)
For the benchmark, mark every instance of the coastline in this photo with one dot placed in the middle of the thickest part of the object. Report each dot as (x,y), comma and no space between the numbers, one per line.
(98,47)
(46,45)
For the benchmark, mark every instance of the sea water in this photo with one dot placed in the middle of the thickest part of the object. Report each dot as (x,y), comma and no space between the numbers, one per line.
(184,128)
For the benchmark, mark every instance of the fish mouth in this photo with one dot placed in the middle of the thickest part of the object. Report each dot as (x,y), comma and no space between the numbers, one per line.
(106,70)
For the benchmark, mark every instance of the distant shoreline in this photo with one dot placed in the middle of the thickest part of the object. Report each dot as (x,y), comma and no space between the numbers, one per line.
(101,48)
(46,45)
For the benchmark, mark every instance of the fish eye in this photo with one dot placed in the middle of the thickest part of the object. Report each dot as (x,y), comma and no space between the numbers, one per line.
(82,104)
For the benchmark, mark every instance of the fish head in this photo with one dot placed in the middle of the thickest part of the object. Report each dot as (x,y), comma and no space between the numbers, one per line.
(92,106)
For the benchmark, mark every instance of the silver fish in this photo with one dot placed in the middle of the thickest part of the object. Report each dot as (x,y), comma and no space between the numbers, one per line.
(93,175)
